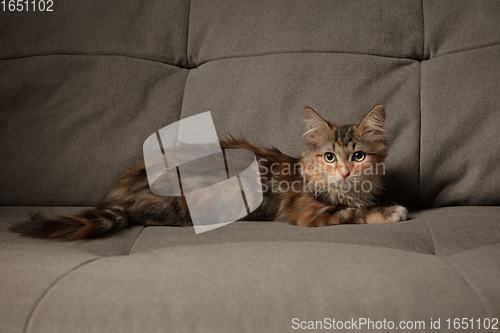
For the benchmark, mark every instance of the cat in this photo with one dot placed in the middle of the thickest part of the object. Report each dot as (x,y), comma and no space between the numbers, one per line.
(335,180)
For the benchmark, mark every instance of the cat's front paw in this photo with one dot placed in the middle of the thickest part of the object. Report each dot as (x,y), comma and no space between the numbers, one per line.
(400,214)
(386,214)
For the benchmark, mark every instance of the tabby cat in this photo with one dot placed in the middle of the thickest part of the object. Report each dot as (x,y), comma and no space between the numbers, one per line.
(335,181)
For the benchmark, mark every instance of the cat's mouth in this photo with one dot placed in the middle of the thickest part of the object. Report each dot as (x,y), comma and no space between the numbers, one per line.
(340,180)
(351,185)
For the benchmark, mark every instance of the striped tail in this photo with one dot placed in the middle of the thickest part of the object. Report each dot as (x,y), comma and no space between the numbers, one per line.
(89,224)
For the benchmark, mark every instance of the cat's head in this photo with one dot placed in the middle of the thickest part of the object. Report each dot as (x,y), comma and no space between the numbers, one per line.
(344,163)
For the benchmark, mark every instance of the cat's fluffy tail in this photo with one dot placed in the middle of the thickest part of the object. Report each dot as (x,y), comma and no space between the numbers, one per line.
(88,224)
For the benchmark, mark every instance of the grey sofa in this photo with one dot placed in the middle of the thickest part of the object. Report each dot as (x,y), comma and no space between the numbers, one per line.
(83,86)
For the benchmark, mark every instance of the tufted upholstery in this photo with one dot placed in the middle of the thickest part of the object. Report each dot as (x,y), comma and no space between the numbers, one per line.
(82,87)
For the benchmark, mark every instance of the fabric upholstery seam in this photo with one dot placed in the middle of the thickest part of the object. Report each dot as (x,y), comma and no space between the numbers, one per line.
(470,287)
(420,118)
(423,31)
(305,52)
(211,60)
(135,241)
(288,241)
(472,249)
(184,94)
(30,317)
(419,176)
(91,55)
(430,233)
(188,65)
(465,50)
(251,55)
(187,35)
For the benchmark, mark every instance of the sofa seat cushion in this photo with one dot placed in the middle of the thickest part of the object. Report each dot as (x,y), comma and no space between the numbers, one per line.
(440,231)
(251,276)
(249,287)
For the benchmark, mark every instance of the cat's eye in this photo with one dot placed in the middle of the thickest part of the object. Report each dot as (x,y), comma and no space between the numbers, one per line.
(330,157)
(358,156)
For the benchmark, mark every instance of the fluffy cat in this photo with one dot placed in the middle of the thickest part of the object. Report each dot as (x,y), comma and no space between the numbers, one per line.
(335,181)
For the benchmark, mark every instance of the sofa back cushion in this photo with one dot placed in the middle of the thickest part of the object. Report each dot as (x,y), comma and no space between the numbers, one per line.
(82,91)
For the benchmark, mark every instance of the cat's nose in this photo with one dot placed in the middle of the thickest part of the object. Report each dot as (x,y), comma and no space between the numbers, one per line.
(344,173)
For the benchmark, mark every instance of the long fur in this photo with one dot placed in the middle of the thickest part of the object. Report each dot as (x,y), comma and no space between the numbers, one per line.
(297,200)
(88,224)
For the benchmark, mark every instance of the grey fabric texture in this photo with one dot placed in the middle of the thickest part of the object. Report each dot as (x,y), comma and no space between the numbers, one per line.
(71,123)
(460,120)
(154,31)
(252,276)
(244,91)
(28,273)
(82,87)
(71,93)
(228,29)
(457,25)
(231,288)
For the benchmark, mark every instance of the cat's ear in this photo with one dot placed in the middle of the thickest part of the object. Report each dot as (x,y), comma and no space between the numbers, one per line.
(317,128)
(373,124)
